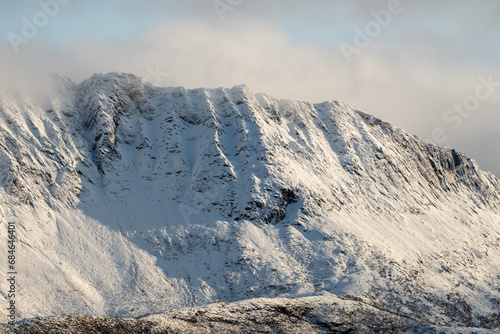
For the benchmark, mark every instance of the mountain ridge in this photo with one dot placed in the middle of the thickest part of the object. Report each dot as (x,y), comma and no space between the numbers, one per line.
(136,198)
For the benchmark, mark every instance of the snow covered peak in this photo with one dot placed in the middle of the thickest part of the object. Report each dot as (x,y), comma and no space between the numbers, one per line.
(189,196)
(115,79)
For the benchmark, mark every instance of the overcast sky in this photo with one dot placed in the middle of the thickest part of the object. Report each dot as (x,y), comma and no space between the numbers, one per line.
(429,67)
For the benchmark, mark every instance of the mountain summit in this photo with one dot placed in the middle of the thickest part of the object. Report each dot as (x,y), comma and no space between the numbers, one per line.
(130,199)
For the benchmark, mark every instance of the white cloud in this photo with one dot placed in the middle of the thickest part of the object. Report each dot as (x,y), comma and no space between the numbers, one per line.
(408,77)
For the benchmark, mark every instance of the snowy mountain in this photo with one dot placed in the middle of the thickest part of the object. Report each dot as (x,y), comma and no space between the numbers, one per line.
(130,200)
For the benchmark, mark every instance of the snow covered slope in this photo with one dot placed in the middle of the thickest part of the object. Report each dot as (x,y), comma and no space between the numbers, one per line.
(131,199)
(325,314)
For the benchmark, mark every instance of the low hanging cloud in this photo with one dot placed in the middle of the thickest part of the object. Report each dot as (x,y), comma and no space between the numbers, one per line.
(410,82)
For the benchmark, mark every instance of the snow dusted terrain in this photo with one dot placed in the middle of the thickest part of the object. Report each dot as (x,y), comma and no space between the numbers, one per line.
(131,200)
(318,314)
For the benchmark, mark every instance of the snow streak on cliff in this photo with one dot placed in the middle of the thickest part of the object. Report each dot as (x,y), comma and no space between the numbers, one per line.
(131,199)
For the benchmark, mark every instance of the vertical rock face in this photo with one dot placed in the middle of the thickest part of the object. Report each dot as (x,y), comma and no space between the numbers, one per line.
(132,199)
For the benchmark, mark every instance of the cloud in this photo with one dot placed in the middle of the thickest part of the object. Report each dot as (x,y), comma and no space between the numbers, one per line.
(410,74)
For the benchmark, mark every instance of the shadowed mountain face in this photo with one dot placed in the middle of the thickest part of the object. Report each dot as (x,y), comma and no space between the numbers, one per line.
(131,199)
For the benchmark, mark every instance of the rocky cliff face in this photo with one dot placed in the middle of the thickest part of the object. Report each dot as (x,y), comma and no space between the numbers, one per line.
(131,199)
